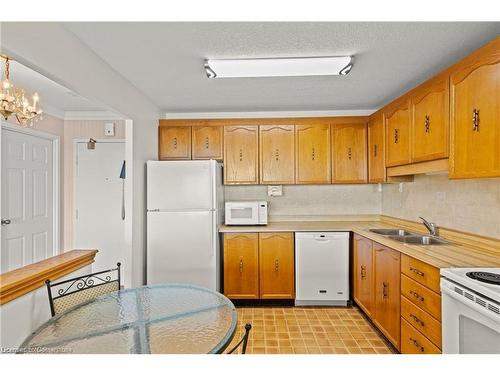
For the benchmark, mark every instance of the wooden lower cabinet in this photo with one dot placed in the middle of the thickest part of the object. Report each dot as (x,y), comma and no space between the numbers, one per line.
(259,265)
(363,274)
(276,266)
(241,265)
(413,342)
(387,292)
(422,321)
(421,296)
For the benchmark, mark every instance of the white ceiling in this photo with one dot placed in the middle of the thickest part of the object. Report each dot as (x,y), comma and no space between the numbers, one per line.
(54,98)
(165,60)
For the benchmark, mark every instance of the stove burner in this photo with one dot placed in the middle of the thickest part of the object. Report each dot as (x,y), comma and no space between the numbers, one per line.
(485,277)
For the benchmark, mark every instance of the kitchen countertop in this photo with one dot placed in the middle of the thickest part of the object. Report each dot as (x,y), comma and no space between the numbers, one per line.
(441,256)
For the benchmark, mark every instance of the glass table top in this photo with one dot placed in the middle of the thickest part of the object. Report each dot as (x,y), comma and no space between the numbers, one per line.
(163,318)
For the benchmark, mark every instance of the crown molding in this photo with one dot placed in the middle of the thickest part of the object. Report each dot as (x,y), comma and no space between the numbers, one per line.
(53,111)
(267,114)
(92,115)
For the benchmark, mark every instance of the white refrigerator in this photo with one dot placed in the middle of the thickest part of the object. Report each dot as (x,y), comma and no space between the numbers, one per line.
(185,201)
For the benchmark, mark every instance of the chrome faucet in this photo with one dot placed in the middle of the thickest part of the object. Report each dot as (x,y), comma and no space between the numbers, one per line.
(431,227)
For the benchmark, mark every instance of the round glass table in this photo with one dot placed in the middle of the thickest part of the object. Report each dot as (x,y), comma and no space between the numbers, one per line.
(163,318)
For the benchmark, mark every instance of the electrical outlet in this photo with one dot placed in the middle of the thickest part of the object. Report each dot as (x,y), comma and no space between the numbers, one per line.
(274,190)
(441,196)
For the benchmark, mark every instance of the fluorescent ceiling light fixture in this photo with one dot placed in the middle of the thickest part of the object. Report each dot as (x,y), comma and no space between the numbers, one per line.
(279,67)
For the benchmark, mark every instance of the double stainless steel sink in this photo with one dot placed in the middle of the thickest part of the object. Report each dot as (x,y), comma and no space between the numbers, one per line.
(404,236)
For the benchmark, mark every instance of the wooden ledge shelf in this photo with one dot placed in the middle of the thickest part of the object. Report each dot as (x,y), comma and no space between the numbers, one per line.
(18,282)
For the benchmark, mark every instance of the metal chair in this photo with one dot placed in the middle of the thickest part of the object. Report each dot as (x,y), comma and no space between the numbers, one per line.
(243,341)
(81,289)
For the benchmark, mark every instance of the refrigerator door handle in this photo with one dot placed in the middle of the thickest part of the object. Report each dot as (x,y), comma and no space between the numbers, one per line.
(213,233)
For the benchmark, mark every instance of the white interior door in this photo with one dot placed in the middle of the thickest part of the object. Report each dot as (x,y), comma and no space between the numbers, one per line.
(28,229)
(98,202)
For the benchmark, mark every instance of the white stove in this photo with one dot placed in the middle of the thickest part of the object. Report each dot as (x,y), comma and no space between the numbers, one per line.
(471,310)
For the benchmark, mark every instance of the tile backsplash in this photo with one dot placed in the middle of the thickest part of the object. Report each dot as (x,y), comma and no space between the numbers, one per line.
(468,205)
(298,200)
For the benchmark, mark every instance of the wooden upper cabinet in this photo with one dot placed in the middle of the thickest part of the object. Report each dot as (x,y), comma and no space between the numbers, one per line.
(475,114)
(387,292)
(241,155)
(276,265)
(363,274)
(430,120)
(277,154)
(349,153)
(312,154)
(241,265)
(174,142)
(376,149)
(207,142)
(397,139)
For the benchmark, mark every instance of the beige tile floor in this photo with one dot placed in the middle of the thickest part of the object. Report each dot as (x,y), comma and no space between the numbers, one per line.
(306,330)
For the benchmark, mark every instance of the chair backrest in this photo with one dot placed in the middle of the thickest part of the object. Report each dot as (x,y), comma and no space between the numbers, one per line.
(68,293)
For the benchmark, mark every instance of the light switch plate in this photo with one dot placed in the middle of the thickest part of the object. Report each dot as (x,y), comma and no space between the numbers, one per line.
(109,129)
(274,190)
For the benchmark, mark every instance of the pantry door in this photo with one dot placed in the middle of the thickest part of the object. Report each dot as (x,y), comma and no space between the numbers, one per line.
(29,197)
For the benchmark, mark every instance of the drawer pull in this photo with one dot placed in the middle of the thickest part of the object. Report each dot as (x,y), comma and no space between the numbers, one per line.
(475,120)
(418,272)
(276,265)
(415,342)
(207,143)
(241,265)
(396,135)
(385,290)
(417,320)
(427,123)
(417,296)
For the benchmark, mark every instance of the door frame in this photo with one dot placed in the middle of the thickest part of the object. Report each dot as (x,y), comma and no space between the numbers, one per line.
(56,163)
(127,262)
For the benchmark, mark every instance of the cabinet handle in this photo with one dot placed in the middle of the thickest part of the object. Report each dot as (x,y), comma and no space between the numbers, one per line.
(415,342)
(207,143)
(417,320)
(241,154)
(276,265)
(241,265)
(396,135)
(418,272)
(375,150)
(277,154)
(385,290)
(175,142)
(313,154)
(363,272)
(349,153)
(475,120)
(416,295)
(427,123)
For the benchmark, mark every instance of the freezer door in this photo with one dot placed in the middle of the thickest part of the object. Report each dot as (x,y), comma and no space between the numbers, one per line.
(182,248)
(181,185)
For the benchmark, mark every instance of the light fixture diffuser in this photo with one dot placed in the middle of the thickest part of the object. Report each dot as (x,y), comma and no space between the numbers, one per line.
(279,67)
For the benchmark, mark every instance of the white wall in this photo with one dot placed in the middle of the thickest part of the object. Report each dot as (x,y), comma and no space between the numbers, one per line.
(21,316)
(53,51)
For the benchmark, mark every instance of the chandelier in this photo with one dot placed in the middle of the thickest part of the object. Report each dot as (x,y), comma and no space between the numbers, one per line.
(13,101)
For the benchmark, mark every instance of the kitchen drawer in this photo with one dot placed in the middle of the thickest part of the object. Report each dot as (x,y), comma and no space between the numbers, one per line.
(422,272)
(413,342)
(421,321)
(421,296)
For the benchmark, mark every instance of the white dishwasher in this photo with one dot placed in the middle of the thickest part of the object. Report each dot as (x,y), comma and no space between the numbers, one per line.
(321,268)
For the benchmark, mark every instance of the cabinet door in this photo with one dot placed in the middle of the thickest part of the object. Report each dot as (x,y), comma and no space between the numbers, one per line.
(363,274)
(207,142)
(174,142)
(241,265)
(349,153)
(241,154)
(313,157)
(277,154)
(376,149)
(276,265)
(397,122)
(475,117)
(430,121)
(387,292)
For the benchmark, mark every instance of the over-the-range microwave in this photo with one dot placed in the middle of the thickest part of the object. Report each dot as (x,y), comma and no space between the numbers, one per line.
(246,213)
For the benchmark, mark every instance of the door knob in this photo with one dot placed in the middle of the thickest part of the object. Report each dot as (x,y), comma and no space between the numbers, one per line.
(5,221)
